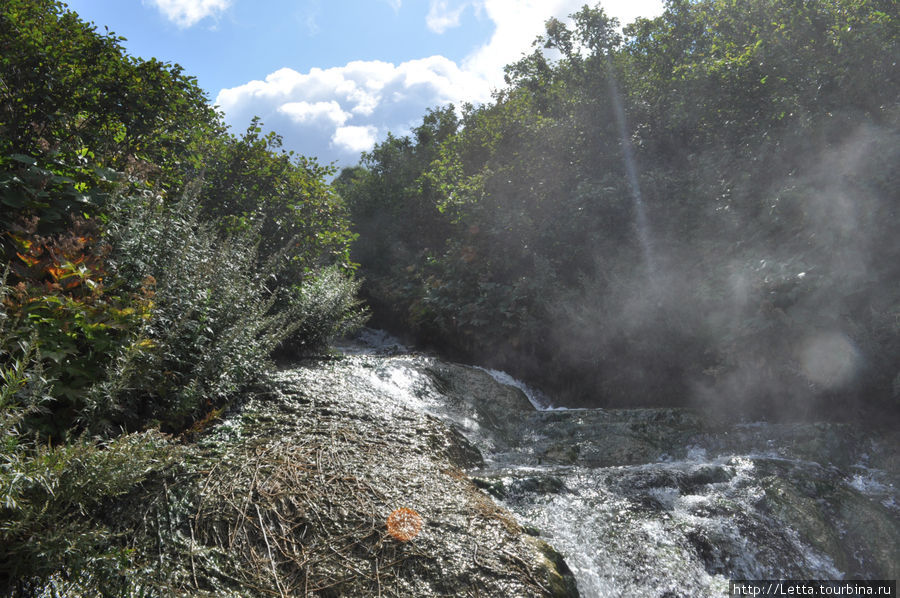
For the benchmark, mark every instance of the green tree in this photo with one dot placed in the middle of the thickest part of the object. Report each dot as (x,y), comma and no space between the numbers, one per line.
(249,183)
(720,116)
(77,115)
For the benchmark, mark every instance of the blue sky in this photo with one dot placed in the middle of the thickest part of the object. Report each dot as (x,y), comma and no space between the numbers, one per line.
(334,76)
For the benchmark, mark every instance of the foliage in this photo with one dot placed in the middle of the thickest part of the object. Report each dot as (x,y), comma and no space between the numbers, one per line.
(648,217)
(146,307)
(216,316)
(251,184)
(152,264)
(394,206)
(62,306)
(209,331)
(52,498)
(325,307)
(52,521)
(75,111)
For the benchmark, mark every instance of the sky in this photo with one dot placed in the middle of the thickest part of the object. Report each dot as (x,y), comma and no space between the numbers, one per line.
(333,77)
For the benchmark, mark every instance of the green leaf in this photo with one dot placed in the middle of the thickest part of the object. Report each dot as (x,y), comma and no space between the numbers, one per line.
(23,159)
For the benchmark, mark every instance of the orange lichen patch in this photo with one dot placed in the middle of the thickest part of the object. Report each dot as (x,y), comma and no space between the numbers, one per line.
(404,524)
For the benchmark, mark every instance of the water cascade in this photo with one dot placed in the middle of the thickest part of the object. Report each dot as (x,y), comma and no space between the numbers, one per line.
(657,502)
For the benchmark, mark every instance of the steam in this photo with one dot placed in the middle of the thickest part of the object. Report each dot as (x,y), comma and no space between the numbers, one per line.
(776,321)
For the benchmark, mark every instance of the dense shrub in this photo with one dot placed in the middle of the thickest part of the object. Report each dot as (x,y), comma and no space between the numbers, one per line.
(145,308)
(53,527)
(325,306)
(250,183)
(53,496)
(62,306)
(217,314)
(78,117)
(152,263)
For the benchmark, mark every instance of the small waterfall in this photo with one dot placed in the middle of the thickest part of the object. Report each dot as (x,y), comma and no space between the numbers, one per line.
(540,401)
(680,510)
(654,502)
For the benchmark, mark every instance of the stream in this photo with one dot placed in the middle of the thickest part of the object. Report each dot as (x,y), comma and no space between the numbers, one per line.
(659,502)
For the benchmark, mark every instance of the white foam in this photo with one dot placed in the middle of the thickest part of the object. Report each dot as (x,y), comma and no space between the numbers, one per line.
(696,453)
(867,484)
(539,400)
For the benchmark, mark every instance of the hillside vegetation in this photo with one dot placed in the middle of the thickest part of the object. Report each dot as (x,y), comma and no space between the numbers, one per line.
(700,210)
(152,264)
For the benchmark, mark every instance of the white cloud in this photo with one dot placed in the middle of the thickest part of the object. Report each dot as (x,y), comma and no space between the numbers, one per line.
(518,23)
(355,138)
(336,113)
(628,10)
(322,112)
(441,16)
(186,13)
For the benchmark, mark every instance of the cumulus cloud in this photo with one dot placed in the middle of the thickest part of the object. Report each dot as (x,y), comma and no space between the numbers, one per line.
(518,23)
(323,112)
(186,13)
(336,113)
(355,138)
(628,10)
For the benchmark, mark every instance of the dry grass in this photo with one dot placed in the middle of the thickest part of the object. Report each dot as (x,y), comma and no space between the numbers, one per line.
(297,525)
(291,497)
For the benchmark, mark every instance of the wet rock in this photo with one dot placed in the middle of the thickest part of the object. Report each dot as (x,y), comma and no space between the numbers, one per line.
(872,535)
(560,454)
(749,500)
(543,484)
(300,491)
(642,502)
(708,551)
(457,449)
(561,580)
(703,476)
(496,487)
(860,534)
(605,437)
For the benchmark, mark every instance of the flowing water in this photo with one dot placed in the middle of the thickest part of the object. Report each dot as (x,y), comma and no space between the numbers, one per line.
(657,502)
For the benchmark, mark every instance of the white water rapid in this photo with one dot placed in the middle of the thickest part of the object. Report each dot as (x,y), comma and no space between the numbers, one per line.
(657,502)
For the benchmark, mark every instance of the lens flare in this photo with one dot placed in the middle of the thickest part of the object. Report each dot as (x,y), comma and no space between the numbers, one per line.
(404,524)
(829,359)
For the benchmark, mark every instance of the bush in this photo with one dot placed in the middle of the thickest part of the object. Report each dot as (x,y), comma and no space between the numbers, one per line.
(74,108)
(126,310)
(218,312)
(52,497)
(63,307)
(211,326)
(327,307)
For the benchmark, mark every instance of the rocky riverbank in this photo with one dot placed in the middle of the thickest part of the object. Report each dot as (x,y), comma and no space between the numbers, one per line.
(289,495)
